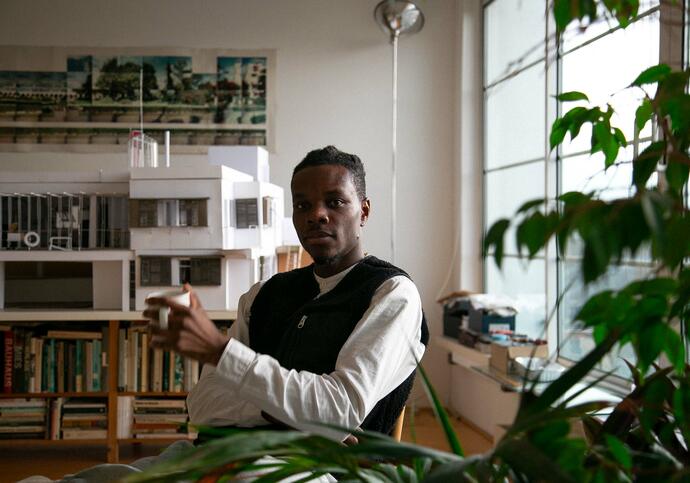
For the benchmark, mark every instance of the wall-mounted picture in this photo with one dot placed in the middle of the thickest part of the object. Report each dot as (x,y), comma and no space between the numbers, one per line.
(100,96)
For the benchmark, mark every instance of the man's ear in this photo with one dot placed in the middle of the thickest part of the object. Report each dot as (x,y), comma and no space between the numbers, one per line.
(366,207)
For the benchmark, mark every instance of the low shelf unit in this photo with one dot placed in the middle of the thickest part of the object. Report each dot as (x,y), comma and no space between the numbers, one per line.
(153,403)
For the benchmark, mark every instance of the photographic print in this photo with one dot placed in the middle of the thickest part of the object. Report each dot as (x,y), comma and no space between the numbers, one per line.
(226,103)
(254,90)
(229,90)
(8,95)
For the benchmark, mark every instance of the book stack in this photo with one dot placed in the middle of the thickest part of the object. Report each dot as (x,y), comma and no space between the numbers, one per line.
(145,369)
(22,418)
(36,360)
(159,418)
(84,419)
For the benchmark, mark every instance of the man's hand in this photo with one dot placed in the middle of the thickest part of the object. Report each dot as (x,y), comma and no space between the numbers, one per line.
(190,332)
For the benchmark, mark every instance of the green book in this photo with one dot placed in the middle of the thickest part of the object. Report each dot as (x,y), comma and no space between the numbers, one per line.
(52,366)
(96,365)
(179,373)
(166,370)
(79,367)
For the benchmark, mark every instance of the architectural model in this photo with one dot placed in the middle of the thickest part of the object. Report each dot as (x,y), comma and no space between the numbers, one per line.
(103,240)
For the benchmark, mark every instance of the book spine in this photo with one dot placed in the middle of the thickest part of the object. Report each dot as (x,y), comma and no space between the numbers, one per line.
(39,364)
(9,360)
(136,359)
(32,365)
(88,364)
(166,371)
(132,360)
(122,360)
(144,367)
(79,366)
(26,365)
(61,366)
(44,365)
(178,385)
(105,336)
(18,361)
(52,364)
(71,366)
(96,365)
(157,370)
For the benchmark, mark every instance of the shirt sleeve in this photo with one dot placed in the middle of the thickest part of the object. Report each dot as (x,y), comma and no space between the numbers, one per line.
(213,401)
(379,355)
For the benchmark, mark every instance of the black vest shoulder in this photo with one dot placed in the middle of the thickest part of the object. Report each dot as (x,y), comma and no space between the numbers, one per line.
(305,333)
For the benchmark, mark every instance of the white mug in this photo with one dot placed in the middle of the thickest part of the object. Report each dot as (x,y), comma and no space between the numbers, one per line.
(176,296)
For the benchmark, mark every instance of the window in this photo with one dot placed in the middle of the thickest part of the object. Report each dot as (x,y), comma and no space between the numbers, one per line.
(522,72)
(155,271)
(185,271)
(167,212)
(246,213)
(147,213)
(204,271)
(268,210)
(191,211)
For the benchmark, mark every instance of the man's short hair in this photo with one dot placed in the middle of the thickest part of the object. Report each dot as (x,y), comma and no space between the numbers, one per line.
(332,155)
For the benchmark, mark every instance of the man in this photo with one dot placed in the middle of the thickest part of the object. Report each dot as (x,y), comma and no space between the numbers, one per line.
(334,343)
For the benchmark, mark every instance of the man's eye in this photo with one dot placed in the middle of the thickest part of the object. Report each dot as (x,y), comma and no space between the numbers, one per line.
(336,203)
(299,206)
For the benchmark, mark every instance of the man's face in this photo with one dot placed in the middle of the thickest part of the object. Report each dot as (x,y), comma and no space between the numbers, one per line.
(328,217)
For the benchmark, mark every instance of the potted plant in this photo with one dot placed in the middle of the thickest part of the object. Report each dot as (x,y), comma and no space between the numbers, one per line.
(646,437)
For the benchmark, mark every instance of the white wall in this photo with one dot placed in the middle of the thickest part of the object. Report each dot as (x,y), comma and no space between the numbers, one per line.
(333,86)
(108,286)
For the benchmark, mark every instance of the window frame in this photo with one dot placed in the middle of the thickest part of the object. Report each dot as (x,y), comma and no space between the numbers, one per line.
(553,161)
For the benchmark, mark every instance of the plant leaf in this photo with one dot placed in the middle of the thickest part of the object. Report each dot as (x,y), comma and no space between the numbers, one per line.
(643,114)
(645,164)
(441,413)
(619,451)
(572,96)
(652,75)
(494,238)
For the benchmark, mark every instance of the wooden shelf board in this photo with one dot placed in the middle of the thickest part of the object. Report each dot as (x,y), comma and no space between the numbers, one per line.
(462,354)
(153,393)
(53,442)
(153,440)
(53,394)
(52,315)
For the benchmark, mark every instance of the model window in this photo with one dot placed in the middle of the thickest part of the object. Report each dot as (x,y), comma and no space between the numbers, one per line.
(148,213)
(155,271)
(204,271)
(268,208)
(246,213)
(192,212)
(185,270)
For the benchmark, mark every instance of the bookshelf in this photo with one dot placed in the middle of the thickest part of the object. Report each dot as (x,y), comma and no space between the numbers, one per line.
(105,400)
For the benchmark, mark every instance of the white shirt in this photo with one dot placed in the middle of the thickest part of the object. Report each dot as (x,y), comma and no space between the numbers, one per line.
(379,355)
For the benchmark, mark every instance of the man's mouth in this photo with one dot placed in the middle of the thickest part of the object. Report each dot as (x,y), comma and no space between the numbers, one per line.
(317,235)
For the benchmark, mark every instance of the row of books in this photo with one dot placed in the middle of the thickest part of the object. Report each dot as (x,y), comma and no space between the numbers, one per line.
(144,369)
(23,419)
(40,360)
(152,418)
(54,419)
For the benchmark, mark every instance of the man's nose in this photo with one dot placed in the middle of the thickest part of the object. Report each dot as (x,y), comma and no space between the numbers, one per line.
(318,214)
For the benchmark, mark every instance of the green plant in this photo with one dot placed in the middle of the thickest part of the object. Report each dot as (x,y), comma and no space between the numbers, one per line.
(647,435)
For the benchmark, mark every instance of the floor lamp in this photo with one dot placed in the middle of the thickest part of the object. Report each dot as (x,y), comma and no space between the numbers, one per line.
(396,18)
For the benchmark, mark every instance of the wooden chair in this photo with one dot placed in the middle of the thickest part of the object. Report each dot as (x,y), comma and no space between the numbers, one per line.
(396,434)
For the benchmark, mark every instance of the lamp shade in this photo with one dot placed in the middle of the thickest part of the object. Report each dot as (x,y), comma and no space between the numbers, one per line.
(399,17)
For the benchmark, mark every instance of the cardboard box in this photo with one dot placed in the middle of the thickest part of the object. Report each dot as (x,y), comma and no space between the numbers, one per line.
(502,354)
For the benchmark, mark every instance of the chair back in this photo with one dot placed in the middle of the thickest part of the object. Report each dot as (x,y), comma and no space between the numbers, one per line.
(396,434)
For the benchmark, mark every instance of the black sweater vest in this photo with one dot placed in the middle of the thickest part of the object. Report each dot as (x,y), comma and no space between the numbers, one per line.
(304,333)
